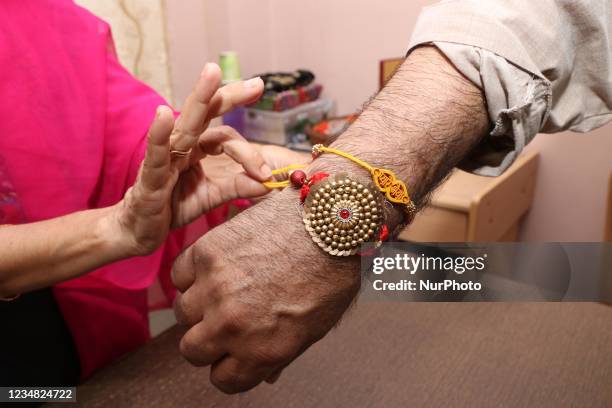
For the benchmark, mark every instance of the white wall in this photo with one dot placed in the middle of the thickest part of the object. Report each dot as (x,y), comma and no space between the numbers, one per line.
(342,41)
(571,191)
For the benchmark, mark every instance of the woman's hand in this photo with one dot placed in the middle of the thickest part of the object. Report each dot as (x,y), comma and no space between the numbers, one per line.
(172,188)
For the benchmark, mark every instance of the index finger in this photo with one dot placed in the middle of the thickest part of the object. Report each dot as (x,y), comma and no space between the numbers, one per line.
(183,272)
(192,120)
(233,95)
(232,375)
(225,139)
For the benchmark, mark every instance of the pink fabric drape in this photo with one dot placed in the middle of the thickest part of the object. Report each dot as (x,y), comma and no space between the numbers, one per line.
(72,135)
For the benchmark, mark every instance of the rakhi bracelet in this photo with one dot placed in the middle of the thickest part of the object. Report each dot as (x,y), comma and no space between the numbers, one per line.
(340,211)
(394,189)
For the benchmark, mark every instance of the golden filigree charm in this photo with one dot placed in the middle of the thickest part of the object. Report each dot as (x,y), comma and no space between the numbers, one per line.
(340,214)
(394,189)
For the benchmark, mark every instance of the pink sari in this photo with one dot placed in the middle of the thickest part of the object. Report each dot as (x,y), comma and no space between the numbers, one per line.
(72,136)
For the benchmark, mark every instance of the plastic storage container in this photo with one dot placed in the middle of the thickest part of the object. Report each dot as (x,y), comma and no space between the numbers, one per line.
(286,128)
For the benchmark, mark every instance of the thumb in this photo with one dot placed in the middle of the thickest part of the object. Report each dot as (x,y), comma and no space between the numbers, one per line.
(156,164)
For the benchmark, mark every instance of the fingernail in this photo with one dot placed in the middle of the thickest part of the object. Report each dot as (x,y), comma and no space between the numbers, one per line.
(252,83)
(206,68)
(266,172)
(158,111)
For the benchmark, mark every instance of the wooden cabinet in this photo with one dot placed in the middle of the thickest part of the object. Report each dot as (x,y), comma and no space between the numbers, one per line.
(470,208)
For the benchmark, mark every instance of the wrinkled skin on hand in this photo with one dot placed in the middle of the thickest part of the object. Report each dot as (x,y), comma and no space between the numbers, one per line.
(172,189)
(257,292)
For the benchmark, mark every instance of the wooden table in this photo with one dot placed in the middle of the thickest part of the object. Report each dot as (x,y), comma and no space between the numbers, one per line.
(401,354)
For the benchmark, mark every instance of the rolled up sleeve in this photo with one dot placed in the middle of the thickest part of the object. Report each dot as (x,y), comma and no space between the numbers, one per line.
(543,66)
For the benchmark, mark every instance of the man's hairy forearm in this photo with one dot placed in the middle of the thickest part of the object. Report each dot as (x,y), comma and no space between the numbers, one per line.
(425,120)
(420,125)
(267,286)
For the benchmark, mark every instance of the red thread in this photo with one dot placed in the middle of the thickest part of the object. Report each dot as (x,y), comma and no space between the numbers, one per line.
(304,192)
(313,180)
(317,177)
(384,233)
(382,236)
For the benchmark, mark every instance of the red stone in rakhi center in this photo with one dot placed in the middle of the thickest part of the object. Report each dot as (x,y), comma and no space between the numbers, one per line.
(297,178)
(344,214)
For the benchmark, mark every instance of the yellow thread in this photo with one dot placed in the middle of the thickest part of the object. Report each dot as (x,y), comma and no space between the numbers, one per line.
(282,170)
(345,155)
(288,168)
(276,184)
(394,189)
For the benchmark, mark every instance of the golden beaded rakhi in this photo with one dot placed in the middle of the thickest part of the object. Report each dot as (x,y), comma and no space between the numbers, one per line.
(340,212)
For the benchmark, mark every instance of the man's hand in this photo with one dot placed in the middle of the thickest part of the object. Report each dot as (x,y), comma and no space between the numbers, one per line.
(257,291)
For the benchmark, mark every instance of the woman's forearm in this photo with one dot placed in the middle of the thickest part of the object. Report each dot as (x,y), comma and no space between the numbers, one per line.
(42,253)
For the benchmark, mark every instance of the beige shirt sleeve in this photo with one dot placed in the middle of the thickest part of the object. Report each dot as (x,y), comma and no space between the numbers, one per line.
(543,65)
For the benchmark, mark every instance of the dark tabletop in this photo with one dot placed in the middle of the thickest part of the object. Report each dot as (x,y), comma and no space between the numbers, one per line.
(401,354)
